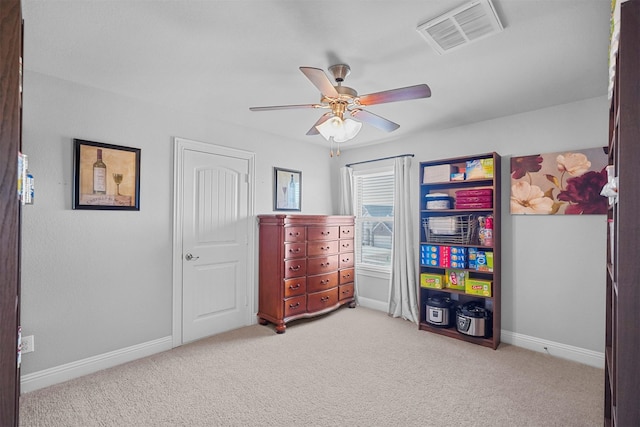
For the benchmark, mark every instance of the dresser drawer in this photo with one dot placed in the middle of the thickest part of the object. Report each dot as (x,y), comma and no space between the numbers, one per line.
(346,245)
(345,291)
(295,268)
(293,287)
(295,234)
(346,232)
(321,300)
(346,260)
(322,282)
(322,233)
(318,248)
(321,265)
(346,276)
(295,305)
(295,250)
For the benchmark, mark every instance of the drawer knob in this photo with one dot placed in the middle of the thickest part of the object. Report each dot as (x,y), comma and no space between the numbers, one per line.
(296,305)
(325,264)
(346,276)
(345,245)
(345,259)
(296,268)
(324,299)
(296,250)
(325,233)
(346,231)
(324,282)
(297,233)
(297,285)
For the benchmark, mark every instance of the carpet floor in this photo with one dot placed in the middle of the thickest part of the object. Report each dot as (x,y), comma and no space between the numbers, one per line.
(352,367)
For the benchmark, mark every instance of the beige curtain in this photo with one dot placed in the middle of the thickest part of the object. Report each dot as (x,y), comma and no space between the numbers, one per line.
(403,299)
(346,207)
(346,191)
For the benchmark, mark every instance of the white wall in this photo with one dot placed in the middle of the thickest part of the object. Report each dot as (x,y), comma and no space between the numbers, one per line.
(553,267)
(100,281)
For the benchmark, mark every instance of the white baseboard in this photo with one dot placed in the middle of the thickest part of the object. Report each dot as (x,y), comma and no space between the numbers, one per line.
(373,304)
(68,371)
(577,354)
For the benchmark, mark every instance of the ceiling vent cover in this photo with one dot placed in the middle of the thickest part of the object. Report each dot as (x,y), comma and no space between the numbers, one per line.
(461,26)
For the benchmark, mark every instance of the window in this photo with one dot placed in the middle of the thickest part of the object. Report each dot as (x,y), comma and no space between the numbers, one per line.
(373,207)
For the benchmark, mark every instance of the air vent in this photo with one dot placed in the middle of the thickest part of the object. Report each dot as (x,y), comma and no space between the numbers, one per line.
(461,26)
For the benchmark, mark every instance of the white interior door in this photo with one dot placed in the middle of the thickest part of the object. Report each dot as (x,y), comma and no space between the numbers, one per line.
(214,256)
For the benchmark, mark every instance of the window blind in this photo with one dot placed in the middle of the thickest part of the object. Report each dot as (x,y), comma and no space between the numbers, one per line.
(374,217)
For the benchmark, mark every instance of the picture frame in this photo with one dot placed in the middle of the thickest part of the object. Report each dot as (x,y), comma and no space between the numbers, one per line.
(287,189)
(106,176)
(559,183)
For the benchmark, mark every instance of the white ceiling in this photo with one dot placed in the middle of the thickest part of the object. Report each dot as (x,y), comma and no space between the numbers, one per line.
(218,58)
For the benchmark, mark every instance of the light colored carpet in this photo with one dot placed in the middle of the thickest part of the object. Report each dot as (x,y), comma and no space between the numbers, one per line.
(352,367)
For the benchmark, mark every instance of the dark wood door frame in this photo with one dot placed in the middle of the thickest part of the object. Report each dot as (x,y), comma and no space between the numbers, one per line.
(10,143)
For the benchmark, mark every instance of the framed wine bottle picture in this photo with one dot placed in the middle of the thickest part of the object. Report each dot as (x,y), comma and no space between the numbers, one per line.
(106,176)
(287,190)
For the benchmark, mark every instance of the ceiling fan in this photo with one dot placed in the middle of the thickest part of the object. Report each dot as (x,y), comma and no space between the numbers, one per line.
(341,100)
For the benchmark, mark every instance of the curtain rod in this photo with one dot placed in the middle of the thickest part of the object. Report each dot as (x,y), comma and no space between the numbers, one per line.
(377,160)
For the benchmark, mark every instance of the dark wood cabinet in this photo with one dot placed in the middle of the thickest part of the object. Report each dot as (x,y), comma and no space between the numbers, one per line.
(306,265)
(622,339)
(460,225)
(10,142)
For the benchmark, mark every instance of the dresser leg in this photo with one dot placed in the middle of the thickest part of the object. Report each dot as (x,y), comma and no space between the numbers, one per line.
(352,304)
(281,328)
(262,321)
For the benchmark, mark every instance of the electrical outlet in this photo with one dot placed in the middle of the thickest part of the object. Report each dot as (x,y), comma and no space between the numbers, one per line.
(27,344)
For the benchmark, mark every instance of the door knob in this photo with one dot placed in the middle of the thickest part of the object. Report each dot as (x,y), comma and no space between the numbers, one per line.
(190,257)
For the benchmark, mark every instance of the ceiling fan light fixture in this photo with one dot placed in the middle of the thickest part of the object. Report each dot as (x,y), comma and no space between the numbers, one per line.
(338,129)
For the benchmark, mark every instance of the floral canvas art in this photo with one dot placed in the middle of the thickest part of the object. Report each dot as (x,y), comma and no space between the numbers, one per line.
(564,183)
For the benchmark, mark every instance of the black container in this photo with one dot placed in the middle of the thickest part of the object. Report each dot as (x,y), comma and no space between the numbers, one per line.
(473,320)
(439,312)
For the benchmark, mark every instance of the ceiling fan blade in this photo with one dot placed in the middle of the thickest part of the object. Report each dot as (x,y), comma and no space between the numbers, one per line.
(393,95)
(374,120)
(284,107)
(321,120)
(321,81)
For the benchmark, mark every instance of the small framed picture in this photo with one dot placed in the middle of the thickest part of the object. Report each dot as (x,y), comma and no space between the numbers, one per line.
(106,176)
(287,189)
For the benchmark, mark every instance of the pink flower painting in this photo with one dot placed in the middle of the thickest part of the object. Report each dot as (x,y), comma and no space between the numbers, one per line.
(565,183)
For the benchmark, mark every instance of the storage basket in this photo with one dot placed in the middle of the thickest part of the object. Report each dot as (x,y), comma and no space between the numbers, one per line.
(452,229)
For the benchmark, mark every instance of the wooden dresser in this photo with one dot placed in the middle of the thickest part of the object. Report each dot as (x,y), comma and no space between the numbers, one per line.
(306,266)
